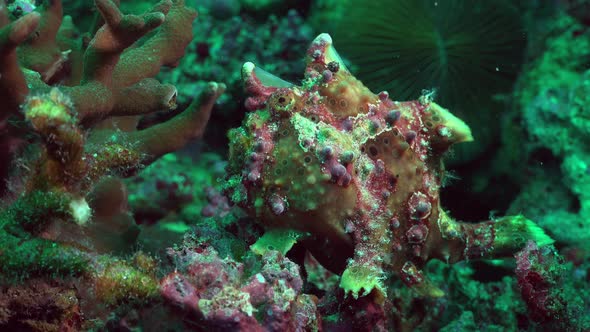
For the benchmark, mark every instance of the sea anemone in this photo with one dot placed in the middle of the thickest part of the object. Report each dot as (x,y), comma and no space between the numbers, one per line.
(466,51)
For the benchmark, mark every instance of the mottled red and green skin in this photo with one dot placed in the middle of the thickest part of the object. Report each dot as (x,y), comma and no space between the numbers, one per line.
(357,172)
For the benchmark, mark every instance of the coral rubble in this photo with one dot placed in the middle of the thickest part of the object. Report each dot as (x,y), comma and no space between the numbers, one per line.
(261,294)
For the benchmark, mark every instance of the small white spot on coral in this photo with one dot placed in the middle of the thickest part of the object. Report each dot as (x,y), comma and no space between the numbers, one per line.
(80,211)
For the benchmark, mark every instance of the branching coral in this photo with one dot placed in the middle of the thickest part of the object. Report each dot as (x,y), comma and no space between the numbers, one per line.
(116,81)
(66,95)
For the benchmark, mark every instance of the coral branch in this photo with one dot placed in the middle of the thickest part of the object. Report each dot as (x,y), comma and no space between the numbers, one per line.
(116,81)
(119,32)
(41,53)
(186,126)
(13,88)
(165,48)
(145,97)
